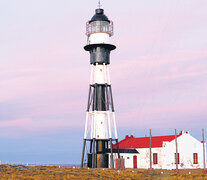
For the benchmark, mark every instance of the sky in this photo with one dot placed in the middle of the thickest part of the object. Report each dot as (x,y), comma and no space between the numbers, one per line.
(158,73)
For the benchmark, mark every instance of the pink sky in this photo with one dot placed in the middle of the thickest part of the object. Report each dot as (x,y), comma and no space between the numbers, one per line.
(158,70)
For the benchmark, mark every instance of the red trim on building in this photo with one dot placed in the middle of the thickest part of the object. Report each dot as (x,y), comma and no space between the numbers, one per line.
(144,142)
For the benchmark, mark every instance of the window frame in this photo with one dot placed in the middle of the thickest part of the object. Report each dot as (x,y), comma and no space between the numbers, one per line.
(178,158)
(155,158)
(195,158)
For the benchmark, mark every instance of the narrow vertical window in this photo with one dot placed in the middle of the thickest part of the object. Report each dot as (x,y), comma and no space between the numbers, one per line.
(195,158)
(178,158)
(155,160)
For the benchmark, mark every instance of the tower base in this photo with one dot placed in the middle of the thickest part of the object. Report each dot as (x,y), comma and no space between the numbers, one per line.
(101,160)
(99,153)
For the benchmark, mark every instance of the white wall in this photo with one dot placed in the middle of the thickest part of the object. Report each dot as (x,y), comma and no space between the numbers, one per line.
(128,158)
(143,161)
(187,145)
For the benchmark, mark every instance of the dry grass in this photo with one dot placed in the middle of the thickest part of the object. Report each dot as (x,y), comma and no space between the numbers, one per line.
(15,172)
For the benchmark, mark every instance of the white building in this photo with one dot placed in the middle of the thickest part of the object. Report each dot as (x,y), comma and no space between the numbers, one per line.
(190,152)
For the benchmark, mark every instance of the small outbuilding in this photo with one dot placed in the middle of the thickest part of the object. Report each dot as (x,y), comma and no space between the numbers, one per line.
(163,152)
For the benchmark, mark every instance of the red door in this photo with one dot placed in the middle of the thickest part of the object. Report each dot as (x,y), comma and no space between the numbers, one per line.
(135,161)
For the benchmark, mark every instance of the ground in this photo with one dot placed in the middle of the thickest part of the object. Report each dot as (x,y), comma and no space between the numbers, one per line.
(15,172)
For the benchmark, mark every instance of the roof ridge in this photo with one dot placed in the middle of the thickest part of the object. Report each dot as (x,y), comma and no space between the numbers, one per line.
(152,136)
(143,142)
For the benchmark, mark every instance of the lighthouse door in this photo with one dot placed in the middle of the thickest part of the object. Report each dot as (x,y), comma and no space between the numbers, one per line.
(134,161)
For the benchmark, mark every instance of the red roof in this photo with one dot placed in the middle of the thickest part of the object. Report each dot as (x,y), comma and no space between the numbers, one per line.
(144,142)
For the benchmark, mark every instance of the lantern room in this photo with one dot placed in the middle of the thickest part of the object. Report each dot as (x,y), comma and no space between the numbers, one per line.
(99,28)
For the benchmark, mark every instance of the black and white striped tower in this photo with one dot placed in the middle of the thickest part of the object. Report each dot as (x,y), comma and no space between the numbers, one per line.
(100,126)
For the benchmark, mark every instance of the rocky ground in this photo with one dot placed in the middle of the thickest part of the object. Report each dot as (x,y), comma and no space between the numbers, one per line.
(15,172)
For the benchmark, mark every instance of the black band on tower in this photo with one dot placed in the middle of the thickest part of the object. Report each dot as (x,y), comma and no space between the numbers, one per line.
(100,98)
(99,102)
(100,53)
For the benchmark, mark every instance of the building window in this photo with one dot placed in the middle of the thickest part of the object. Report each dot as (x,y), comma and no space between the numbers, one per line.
(178,158)
(195,158)
(155,160)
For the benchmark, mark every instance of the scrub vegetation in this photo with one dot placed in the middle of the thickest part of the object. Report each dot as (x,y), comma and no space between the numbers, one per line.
(15,172)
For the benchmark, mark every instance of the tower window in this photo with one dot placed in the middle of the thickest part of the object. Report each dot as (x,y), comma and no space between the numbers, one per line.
(155,159)
(195,158)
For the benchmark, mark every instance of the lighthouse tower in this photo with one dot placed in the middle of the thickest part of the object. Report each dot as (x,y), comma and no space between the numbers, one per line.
(100,126)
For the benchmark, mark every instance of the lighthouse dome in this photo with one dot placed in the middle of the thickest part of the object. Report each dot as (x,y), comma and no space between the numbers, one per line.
(99,16)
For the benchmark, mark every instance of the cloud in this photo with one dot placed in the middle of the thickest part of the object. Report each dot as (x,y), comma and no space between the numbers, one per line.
(16,123)
(184,75)
(28,127)
(165,117)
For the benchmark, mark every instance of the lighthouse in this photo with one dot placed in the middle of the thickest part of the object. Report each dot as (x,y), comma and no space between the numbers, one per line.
(100,125)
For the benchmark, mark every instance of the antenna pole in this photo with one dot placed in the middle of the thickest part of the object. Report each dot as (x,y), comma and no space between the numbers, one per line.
(176,149)
(150,150)
(99,4)
(204,159)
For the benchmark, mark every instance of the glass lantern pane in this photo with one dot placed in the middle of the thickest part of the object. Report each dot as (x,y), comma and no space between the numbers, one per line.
(99,26)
